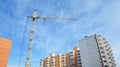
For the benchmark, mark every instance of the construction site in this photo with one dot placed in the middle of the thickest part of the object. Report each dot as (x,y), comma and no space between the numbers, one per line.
(62,33)
(79,57)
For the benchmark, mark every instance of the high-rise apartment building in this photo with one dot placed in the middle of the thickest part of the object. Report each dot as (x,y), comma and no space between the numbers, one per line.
(70,59)
(5,46)
(95,51)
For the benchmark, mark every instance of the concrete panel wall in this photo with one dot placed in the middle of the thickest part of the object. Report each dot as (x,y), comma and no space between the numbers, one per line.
(89,52)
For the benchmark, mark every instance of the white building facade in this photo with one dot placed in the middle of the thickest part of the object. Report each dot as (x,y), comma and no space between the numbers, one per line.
(96,52)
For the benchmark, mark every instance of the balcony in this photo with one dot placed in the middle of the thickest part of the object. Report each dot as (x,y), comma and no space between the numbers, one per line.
(78,50)
(98,39)
(78,56)
(104,59)
(105,42)
(79,65)
(71,54)
(78,59)
(79,62)
(78,53)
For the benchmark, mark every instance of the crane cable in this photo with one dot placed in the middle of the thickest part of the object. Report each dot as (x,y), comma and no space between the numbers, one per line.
(22,44)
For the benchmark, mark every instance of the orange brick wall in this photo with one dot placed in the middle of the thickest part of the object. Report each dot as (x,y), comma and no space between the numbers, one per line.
(5,46)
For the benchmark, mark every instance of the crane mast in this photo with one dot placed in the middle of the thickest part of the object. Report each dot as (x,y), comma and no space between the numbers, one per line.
(32,30)
(28,59)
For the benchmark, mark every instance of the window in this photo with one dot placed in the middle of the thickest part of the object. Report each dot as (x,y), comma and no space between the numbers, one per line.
(105,61)
(103,38)
(106,65)
(105,42)
(103,56)
(100,43)
(101,48)
(98,39)
(109,58)
(108,54)
(110,62)
(102,52)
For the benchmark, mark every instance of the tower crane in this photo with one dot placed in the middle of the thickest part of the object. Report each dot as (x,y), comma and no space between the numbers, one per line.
(32,30)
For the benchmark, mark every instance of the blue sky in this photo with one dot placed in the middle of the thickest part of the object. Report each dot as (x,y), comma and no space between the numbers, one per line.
(95,16)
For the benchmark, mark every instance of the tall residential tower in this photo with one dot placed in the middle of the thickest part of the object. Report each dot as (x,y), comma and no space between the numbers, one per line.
(95,51)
